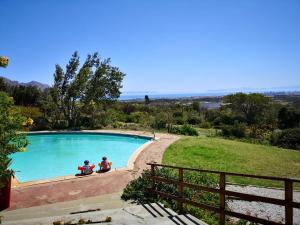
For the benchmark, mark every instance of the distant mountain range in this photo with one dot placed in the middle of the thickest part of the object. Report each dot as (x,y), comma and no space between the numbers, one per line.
(37,84)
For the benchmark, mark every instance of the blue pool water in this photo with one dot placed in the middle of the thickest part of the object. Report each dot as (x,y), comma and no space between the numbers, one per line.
(52,155)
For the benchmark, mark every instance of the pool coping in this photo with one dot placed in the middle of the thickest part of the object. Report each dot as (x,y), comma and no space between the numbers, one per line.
(130,162)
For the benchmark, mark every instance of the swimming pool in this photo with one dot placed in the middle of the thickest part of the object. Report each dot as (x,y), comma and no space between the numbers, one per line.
(53,155)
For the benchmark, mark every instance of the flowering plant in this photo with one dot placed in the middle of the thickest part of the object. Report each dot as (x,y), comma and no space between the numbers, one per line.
(4,61)
(29,122)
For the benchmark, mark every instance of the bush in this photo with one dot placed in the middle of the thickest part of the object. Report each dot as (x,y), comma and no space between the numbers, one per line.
(235,130)
(118,124)
(194,120)
(179,120)
(160,121)
(61,124)
(205,124)
(275,136)
(289,138)
(40,124)
(184,130)
(138,191)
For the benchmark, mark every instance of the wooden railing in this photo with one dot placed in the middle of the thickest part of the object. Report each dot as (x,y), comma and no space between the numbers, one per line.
(287,202)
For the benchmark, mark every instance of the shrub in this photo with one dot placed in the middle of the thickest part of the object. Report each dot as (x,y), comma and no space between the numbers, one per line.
(235,130)
(160,121)
(288,117)
(205,124)
(61,124)
(289,138)
(194,120)
(41,124)
(275,136)
(118,124)
(184,130)
(138,191)
(179,120)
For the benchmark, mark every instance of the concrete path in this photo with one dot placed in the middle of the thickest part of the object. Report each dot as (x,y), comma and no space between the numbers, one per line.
(147,214)
(103,202)
(84,187)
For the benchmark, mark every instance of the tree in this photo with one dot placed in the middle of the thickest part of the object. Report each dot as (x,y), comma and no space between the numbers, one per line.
(11,140)
(147,100)
(288,117)
(251,107)
(196,106)
(96,81)
(3,85)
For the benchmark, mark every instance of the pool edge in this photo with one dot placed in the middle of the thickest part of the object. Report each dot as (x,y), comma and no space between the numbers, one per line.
(129,166)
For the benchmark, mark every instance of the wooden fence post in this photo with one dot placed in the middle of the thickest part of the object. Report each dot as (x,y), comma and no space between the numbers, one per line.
(222,183)
(180,190)
(152,180)
(288,195)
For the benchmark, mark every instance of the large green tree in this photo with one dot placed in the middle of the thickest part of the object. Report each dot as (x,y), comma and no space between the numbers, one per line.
(288,117)
(251,107)
(95,82)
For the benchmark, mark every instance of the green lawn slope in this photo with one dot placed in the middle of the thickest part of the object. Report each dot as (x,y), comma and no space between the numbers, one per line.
(235,156)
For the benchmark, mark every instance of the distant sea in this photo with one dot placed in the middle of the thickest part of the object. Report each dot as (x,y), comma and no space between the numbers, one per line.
(141,96)
(125,97)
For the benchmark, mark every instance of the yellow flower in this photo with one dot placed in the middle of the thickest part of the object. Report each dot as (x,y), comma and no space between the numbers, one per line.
(22,149)
(3,61)
(29,121)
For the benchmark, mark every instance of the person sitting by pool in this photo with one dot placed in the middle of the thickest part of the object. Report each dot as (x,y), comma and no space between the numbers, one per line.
(86,169)
(104,165)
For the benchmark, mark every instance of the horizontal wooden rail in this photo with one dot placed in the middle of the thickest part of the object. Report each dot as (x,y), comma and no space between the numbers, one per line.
(287,202)
(242,196)
(228,173)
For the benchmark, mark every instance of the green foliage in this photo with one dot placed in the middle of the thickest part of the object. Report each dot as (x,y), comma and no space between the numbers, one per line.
(196,106)
(289,138)
(235,130)
(96,82)
(147,100)
(251,107)
(184,130)
(25,95)
(3,85)
(160,121)
(138,190)
(288,117)
(193,119)
(30,111)
(37,116)
(205,124)
(22,95)
(275,136)
(11,140)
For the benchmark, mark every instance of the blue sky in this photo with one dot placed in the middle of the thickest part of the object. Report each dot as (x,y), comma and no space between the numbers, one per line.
(162,45)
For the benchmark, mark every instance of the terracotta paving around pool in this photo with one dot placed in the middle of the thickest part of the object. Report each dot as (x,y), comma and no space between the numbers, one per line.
(82,187)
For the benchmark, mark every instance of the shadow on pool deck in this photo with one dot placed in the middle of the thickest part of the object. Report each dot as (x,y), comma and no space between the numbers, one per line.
(83,187)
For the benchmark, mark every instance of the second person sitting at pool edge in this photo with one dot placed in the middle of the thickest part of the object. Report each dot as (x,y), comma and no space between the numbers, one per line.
(104,165)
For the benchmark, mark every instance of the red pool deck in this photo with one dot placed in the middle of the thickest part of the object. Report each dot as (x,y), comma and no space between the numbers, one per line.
(82,187)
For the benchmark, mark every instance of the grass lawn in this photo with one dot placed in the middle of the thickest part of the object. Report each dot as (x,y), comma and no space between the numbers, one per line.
(234,156)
